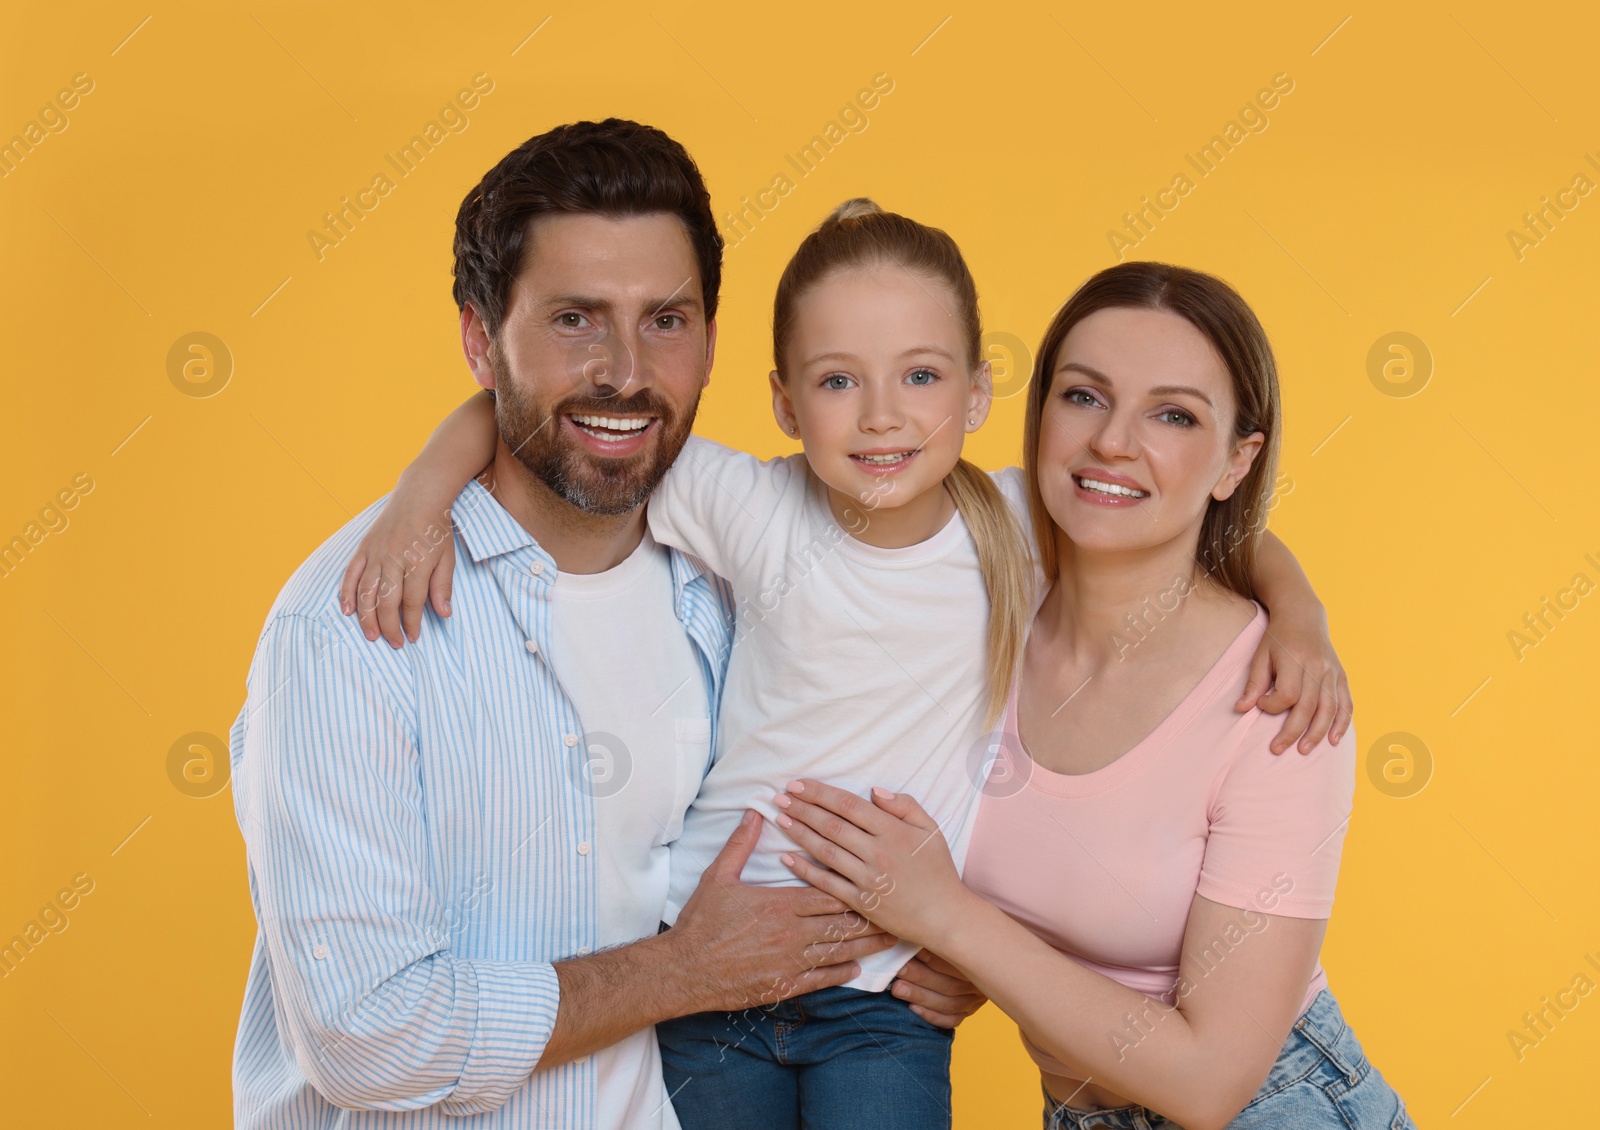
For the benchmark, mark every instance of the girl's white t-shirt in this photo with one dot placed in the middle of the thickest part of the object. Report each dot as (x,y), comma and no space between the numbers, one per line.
(851,664)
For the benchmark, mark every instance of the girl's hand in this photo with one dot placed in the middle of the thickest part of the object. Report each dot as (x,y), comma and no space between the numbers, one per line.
(1297,661)
(406,559)
(885,858)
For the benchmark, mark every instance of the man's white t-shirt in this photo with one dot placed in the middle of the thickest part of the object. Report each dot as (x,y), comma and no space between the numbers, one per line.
(851,664)
(627,663)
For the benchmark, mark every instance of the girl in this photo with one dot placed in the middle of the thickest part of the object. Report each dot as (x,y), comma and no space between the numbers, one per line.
(882,591)
(1157,883)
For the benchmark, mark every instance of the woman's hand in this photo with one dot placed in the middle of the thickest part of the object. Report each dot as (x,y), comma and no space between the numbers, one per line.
(1297,661)
(406,559)
(885,858)
(937,991)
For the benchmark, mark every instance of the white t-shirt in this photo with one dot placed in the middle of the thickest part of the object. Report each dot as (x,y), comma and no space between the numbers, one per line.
(628,665)
(851,664)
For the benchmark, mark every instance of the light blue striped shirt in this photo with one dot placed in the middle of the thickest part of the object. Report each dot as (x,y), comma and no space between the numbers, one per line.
(410,818)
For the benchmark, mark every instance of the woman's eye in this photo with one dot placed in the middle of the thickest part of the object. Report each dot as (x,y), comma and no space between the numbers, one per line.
(837,382)
(922,377)
(1177,416)
(1081,397)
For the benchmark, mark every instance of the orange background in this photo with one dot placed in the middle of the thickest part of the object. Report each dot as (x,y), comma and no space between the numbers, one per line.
(178,198)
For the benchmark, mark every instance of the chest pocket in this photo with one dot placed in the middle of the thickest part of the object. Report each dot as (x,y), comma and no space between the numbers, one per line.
(692,747)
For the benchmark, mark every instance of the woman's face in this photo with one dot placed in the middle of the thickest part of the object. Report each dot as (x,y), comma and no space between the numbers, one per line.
(1136,437)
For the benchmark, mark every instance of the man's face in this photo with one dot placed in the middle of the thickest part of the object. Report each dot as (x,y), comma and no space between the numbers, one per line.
(599,363)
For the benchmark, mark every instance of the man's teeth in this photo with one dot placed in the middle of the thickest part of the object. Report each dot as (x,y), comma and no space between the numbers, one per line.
(629,425)
(1111,488)
(886,460)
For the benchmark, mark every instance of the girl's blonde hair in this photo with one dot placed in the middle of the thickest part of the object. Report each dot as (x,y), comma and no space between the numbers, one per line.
(860,234)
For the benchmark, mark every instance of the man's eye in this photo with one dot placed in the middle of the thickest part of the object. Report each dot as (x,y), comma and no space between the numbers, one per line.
(668,321)
(571,319)
(836,382)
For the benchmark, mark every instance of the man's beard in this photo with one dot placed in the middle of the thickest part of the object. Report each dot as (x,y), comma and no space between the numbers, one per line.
(602,487)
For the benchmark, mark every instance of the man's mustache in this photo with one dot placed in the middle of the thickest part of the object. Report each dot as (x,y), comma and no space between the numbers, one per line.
(642,403)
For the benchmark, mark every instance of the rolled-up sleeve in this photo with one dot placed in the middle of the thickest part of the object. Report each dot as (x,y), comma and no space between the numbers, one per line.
(378,1011)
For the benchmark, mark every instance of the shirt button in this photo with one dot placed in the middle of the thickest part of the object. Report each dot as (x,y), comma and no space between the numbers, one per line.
(537,568)
(583,847)
(570,740)
(533,648)
(584,951)
(320,952)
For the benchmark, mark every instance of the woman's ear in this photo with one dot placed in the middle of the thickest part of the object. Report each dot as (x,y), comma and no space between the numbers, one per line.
(1244,454)
(982,397)
(783,407)
(475,344)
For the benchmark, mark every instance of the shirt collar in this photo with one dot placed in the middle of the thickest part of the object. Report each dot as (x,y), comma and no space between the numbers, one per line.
(488,530)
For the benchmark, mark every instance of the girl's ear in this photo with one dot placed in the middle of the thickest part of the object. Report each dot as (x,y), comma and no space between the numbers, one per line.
(783,407)
(1244,454)
(982,397)
(475,344)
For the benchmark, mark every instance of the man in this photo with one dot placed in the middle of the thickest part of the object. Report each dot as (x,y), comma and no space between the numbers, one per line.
(436,870)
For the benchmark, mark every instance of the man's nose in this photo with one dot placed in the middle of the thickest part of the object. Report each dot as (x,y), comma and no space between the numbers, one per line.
(616,364)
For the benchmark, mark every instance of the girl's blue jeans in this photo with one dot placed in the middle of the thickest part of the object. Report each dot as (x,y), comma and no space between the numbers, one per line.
(837,1059)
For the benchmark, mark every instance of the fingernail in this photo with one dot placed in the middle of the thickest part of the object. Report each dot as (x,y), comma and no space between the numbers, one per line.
(785,821)
(797,786)
(782,801)
(788,860)
(884,793)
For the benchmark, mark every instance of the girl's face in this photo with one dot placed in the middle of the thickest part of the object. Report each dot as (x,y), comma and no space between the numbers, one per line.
(879,390)
(1137,433)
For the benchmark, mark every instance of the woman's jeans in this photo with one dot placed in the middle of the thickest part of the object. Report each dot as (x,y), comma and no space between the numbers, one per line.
(836,1059)
(1322,1079)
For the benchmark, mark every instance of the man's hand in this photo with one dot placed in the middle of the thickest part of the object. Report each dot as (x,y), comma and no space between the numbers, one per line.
(742,947)
(937,991)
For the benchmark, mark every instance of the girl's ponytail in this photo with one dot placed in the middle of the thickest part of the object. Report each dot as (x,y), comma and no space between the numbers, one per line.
(1007,573)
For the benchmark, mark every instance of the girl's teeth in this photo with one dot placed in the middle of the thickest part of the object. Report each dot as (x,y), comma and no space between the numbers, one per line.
(884,460)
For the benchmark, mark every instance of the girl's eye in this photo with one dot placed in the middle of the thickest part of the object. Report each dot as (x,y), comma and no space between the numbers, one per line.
(838,382)
(922,377)
(1177,416)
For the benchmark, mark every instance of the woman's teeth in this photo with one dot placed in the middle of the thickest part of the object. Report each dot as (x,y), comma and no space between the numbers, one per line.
(885,460)
(612,428)
(1098,487)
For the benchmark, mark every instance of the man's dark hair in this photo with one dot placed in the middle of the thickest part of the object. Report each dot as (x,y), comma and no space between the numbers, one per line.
(612,168)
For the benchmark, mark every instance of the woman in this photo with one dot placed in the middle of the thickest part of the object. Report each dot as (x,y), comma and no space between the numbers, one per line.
(1148,884)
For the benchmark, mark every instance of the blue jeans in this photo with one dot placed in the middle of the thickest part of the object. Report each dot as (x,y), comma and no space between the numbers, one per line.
(836,1059)
(1322,1079)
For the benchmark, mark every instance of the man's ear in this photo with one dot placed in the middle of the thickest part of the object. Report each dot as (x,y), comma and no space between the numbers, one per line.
(711,350)
(1244,454)
(982,397)
(782,406)
(475,344)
